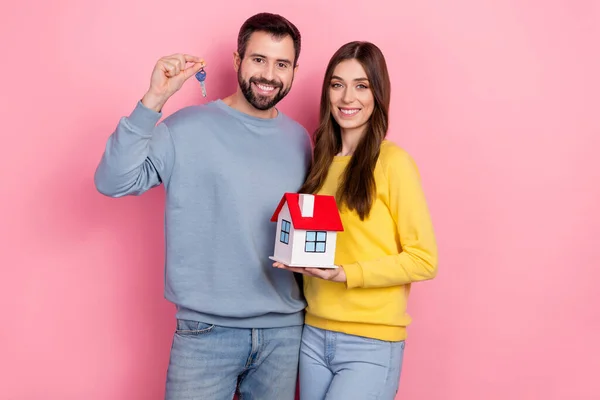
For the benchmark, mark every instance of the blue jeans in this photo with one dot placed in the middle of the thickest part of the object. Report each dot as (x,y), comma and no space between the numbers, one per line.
(209,362)
(337,366)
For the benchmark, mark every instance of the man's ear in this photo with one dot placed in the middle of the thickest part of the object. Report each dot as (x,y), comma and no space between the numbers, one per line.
(236,61)
(296,68)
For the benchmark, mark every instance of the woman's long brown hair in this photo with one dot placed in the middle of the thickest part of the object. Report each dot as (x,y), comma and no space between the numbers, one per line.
(357,188)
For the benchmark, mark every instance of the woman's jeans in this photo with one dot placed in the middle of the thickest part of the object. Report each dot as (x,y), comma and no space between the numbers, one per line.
(338,366)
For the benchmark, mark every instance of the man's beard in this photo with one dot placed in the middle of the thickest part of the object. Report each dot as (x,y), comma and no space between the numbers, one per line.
(258,101)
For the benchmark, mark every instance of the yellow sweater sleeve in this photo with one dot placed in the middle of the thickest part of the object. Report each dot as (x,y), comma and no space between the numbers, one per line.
(418,258)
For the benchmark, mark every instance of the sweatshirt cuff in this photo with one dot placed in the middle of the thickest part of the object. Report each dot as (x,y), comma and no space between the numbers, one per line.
(354,275)
(143,117)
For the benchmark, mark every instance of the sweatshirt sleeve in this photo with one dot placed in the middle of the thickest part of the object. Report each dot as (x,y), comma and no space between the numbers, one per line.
(418,258)
(138,156)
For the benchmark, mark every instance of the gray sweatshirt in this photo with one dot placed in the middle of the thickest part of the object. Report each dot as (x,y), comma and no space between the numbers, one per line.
(224,173)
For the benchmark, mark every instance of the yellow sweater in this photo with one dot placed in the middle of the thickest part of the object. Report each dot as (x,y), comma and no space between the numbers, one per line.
(381,255)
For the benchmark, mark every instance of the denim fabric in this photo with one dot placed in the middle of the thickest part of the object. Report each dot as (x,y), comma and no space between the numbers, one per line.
(209,362)
(337,366)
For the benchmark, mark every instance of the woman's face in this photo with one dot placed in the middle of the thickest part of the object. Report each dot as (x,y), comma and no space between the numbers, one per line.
(350,96)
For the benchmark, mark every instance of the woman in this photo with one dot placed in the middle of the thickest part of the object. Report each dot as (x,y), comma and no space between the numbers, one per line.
(356,319)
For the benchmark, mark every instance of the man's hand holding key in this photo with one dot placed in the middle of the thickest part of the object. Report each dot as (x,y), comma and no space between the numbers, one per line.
(168,76)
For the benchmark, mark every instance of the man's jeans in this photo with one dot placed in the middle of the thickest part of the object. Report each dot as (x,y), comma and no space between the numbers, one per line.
(337,366)
(208,362)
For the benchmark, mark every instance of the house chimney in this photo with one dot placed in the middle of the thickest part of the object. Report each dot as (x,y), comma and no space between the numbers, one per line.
(307,204)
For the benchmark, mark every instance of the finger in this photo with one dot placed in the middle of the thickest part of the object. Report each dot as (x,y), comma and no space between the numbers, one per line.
(298,270)
(193,59)
(180,61)
(171,69)
(185,61)
(166,66)
(193,69)
(177,63)
(169,58)
(286,267)
(316,272)
(322,273)
(280,265)
(302,271)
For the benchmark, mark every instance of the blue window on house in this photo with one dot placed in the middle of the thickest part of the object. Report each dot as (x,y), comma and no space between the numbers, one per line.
(284,236)
(315,241)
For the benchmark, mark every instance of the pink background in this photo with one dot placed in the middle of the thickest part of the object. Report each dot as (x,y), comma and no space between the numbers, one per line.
(497,101)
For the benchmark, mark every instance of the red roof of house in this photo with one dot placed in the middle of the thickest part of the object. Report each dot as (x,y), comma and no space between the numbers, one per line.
(326,216)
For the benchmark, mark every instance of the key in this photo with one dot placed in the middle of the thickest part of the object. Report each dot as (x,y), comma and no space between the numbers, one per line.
(201,76)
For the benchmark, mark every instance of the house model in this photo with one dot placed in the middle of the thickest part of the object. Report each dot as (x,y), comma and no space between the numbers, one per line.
(307,227)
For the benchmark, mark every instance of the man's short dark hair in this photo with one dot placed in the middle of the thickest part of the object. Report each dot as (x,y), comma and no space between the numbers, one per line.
(274,24)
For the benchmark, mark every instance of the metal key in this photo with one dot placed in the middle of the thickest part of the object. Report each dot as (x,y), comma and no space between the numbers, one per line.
(201,76)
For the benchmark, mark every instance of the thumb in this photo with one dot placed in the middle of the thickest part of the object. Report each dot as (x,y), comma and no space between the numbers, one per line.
(193,69)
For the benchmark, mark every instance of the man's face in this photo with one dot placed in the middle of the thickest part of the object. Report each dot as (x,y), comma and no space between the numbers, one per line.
(267,71)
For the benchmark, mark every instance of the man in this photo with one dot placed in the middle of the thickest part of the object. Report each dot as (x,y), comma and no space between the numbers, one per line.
(224,166)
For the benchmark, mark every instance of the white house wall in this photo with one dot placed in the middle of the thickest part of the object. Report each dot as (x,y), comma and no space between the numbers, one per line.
(302,258)
(282,251)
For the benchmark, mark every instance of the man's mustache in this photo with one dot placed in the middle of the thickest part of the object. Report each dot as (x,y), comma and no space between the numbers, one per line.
(263,81)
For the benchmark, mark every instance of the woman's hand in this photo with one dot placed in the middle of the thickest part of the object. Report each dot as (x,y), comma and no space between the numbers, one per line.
(329,274)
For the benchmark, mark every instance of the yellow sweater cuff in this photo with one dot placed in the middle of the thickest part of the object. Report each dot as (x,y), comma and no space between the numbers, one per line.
(354,275)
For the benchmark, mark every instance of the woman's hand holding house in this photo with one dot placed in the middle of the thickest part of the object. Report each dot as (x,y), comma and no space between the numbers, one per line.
(329,274)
